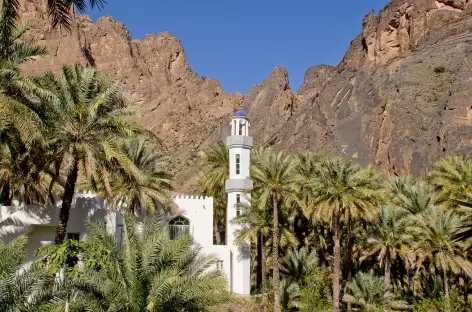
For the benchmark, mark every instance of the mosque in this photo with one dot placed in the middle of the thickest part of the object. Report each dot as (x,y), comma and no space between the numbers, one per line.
(194,216)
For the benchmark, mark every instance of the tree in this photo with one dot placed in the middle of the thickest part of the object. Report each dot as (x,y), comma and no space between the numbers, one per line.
(296,264)
(388,240)
(436,244)
(343,192)
(370,293)
(255,225)
(20,289)
(147,189)
(452,179)
(275,178)
(212,183)
(87,121)
(151,273)
(22,171)
(413,197)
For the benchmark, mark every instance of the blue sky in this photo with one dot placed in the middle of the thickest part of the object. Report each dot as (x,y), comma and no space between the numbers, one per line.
(239,42)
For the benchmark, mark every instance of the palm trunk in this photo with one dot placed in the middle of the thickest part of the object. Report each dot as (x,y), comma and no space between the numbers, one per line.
(275,255)
(259,261)
(6,194)
(264,273)
(388,269)
(411,282)
(66,203)
(446,290)
(217,231)
(336,264)
(350,243)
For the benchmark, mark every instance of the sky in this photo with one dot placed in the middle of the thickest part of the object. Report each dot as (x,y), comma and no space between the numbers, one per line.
(240,42)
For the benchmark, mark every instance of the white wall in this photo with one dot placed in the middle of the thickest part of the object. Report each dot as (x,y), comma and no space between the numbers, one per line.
(199,211)
(39,222)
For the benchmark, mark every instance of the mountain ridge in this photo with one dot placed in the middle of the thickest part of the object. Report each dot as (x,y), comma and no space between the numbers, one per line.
(398,99)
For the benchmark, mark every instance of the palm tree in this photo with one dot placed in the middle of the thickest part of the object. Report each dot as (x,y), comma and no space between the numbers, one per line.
(21,289)
(255,225)
(15,110)
(411,196)
(275,178)
(436,243)
(343,192)
(296,263)
(151,273)
(369,292)
(148,189)
(388,239)
(86,123)
(452,179)
(212,183)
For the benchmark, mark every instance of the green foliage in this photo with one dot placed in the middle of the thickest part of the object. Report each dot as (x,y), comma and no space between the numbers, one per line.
(369,293)
(315,294)
(151,273)
(64,255)
(145,190)
(16,283)
(439,304)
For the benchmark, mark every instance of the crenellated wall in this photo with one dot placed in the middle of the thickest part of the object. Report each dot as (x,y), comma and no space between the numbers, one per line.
(199,211)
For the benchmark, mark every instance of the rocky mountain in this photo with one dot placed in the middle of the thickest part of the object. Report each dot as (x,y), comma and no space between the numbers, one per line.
(398,99)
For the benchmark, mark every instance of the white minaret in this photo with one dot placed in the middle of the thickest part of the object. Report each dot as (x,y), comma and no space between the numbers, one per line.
(239,144)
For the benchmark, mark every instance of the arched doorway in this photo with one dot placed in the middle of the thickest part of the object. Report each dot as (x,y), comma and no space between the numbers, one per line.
(179,226)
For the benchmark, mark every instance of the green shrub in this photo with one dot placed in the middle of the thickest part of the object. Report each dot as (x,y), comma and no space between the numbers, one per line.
(457,304)
(315,295)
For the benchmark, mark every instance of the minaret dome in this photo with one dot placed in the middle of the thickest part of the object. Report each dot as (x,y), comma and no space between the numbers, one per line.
(239,124)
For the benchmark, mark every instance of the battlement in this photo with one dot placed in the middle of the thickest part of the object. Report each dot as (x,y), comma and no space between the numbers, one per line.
(85,194)
(192,197)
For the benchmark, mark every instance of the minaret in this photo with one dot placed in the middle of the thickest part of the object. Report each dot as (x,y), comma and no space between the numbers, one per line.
(239,144)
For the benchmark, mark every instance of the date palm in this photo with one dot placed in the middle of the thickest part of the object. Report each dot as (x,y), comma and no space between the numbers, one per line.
(452,179)
(151,273)
(388,240)
(212,182)
(146,189)
(369,292)
(20,289)
(343,192)
(256,225)
(436,243)
(276,181)
(411,196)
(87,121)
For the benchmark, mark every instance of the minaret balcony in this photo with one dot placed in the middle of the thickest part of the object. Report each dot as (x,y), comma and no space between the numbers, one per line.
(239,141)
(238,185)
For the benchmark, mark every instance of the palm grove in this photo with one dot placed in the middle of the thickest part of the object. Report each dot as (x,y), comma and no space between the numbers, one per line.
(326,234)
(331,235)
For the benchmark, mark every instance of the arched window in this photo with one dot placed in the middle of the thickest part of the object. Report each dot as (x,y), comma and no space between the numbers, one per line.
(238,163)
(179,226)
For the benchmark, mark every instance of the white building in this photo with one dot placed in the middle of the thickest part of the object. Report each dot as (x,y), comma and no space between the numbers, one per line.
(195,215)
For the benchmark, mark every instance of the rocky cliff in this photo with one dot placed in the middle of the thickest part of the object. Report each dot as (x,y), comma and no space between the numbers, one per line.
(399,98)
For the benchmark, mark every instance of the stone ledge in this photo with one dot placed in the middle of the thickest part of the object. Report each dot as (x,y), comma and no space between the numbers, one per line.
(238,185)
(239,141)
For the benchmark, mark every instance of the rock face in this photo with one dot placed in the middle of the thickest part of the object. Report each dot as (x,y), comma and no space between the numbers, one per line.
(398,99)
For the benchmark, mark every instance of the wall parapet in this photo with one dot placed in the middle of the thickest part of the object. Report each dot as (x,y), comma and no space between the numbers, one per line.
(192,197)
